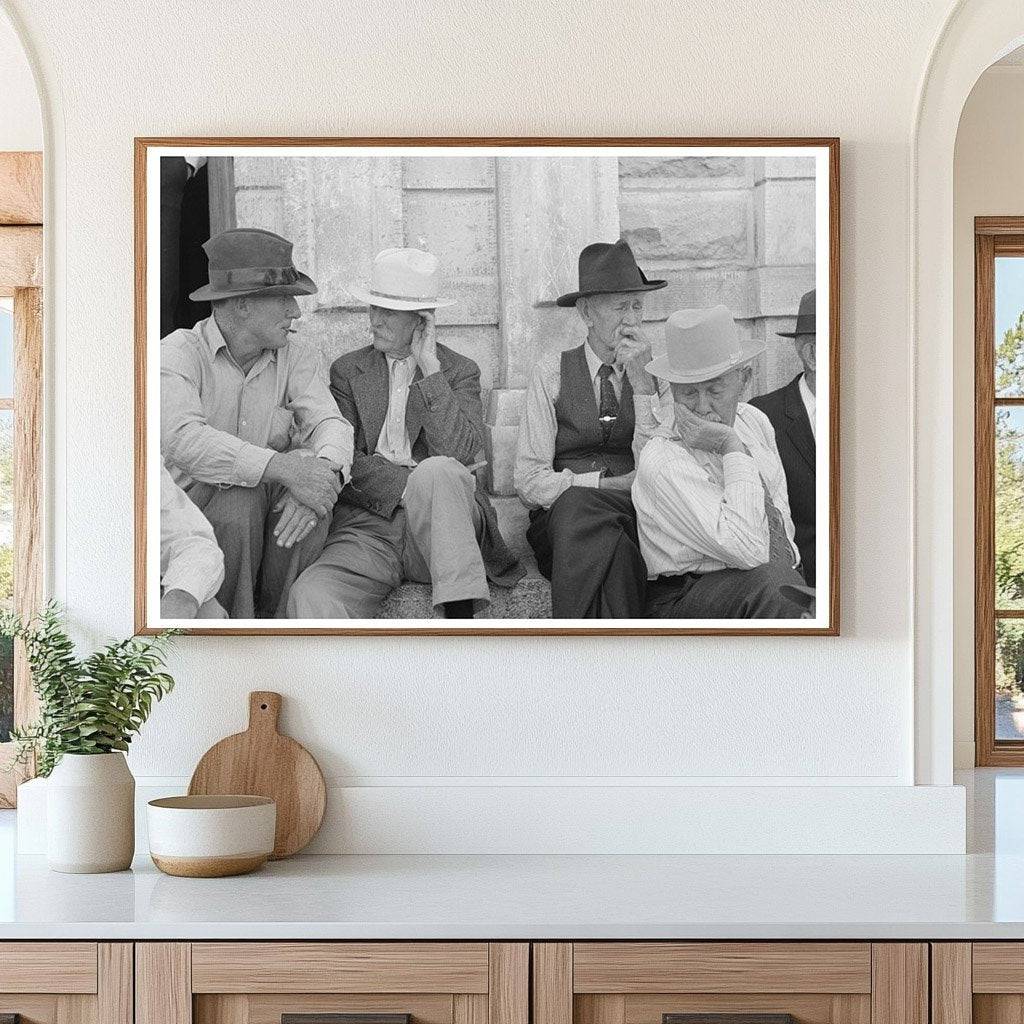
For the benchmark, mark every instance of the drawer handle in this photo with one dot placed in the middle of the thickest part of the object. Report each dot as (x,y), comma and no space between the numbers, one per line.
(728,1018)
(340,1018)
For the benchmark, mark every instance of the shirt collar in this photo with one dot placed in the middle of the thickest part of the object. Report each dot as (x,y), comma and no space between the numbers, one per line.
(806,393)
(211,333)
(595,364)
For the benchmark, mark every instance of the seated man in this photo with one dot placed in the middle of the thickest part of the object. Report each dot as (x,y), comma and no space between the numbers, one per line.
(587,413)
(191,564)
(791,410)
(248,427)
(413,509)
(710,491)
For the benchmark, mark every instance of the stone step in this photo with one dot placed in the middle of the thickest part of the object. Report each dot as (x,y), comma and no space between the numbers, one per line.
(530,598)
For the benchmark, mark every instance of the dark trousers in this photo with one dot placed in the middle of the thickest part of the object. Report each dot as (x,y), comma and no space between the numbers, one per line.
(726,594)
(587,545)
(258,574)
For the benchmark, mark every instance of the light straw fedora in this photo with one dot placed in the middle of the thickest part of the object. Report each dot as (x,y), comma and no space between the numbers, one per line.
(701,344)
(403,279)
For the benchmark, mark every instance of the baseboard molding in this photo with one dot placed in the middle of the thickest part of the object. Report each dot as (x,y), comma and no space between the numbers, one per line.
(599,819)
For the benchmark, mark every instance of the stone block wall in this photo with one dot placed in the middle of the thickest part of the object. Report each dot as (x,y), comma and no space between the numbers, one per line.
(730,229)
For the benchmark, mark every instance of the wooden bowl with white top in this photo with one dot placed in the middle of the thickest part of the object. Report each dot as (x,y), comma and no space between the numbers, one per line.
(211,836)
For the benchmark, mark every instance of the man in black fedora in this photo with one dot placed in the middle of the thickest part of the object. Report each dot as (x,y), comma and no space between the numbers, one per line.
(248,427)
(792,412)
(586,415)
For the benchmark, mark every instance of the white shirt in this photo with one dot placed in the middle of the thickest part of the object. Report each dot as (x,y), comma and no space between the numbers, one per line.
(190,559)
(536,481)
(393,443)
(698,512)
(809,403)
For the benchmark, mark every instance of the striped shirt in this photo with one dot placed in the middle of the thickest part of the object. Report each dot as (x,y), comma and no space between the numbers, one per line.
(699,512)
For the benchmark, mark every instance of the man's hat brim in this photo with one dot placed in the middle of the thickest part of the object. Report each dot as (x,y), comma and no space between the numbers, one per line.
(363,294)
(663,369)
(303,286)
(569,299)
(795,334)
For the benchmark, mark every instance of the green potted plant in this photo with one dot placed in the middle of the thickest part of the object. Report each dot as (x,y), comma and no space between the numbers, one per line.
(89,709)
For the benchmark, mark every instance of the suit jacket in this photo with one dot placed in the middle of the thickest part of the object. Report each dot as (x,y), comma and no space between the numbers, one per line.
(785,408)
(443,416)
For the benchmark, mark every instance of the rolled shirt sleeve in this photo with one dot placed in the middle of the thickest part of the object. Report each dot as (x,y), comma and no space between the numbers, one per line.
(190,559)
(537,483)
(320,426)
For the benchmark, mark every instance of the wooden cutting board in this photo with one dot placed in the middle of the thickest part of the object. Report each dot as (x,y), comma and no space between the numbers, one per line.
(262,762)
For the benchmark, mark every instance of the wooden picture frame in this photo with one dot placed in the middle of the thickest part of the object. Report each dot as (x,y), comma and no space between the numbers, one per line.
(21,278)
(825,190)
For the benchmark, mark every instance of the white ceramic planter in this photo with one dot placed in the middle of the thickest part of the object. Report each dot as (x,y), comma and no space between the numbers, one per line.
(90,814)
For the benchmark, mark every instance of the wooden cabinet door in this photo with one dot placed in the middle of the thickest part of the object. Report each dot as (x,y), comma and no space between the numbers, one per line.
(263,982)
(979,982)
(738,982)
(66,982)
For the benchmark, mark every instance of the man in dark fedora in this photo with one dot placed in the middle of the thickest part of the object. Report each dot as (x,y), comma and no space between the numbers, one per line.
(248,427)
(586,415)
(413,510)
(710,490)
(792,411)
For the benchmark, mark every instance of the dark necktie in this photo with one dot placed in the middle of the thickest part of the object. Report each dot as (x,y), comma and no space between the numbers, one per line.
(608,407)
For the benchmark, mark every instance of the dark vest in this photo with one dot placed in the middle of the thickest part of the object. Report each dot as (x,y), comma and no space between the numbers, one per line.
(579,442)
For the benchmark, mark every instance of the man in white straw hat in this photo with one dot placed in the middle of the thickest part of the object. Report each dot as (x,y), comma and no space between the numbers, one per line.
(586,414)
(710,491)
(413,509)
(248,428)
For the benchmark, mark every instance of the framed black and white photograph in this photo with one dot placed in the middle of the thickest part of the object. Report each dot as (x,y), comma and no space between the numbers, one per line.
(487,386)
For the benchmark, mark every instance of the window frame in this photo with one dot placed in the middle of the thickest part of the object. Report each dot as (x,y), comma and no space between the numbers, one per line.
(21,260)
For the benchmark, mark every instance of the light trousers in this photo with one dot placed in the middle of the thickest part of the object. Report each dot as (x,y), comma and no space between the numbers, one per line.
(433,538)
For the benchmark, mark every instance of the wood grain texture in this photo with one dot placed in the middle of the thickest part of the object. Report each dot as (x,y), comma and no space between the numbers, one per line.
(466,1009)
(832,144)
(509,983)
(21,188)
(163,983)
(806,1008)
(998,1009)
(339,967)
(722,967)
(76,1009)
(599,1009)
(951,983)
(48,967)
(32,1009)
(268,1009)
(225,1009)
(997,967)
(115,983)
(899,989)
(21,258)
(552,983)
(851,1009)
(262,762)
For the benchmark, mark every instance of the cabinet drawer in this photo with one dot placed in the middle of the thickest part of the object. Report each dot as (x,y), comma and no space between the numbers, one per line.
(261,982)
(748,982)
(48,967)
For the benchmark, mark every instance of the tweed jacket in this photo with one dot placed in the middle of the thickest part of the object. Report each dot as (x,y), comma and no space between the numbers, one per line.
(788,415)
(443,416)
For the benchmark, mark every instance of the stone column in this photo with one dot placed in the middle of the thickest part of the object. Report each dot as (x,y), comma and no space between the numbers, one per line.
(549,207)
(784,219)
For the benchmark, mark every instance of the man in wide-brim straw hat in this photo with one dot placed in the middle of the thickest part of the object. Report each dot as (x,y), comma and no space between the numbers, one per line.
(413,510)
(792,410)
(710,491)
(249,429)
(586,415)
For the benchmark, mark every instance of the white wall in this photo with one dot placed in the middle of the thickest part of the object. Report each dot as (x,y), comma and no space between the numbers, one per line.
(988,181)
(21,125)
(444,713)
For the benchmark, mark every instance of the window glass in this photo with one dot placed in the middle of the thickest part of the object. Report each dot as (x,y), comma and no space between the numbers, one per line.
(1009,327)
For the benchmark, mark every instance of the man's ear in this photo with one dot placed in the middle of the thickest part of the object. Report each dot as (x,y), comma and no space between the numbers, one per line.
(583,308)
(241,307)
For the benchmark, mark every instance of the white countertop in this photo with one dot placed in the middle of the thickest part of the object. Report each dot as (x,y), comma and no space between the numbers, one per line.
(532,897)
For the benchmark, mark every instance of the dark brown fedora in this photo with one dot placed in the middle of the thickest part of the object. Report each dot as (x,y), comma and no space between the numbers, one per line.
(251,261)
(609,267)
(805,317)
